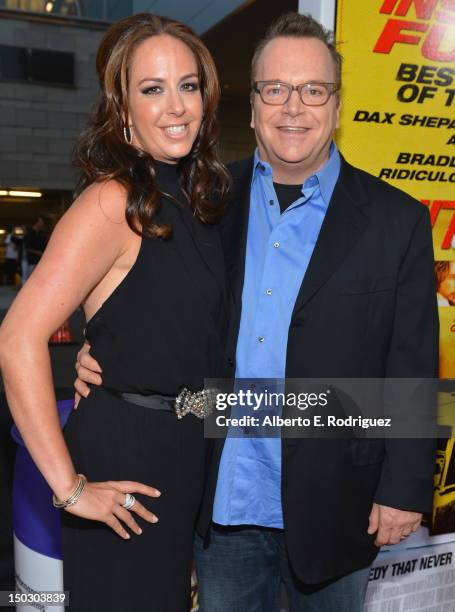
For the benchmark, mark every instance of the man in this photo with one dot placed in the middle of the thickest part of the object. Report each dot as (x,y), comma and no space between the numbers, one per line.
(11,257)
(34,242)
(332,276)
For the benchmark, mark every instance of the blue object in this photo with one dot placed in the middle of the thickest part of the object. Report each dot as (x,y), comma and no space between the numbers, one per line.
(36,522)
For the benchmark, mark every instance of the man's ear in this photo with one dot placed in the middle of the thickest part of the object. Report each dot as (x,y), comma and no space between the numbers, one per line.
(338,113)
(252,124)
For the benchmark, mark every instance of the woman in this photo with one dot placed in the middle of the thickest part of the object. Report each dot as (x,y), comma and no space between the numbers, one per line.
(139,248)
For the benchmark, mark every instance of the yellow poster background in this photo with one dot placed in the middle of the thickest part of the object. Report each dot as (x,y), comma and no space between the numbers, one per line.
(372,84)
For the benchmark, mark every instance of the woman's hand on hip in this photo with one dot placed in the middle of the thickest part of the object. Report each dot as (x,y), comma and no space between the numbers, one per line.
(103,501)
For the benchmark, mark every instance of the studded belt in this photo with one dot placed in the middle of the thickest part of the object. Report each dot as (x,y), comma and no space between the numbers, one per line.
(187,402)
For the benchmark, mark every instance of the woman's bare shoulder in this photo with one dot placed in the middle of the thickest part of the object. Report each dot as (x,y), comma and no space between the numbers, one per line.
(103,201)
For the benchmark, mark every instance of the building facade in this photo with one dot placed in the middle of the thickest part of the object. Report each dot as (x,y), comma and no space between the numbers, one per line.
(47,87)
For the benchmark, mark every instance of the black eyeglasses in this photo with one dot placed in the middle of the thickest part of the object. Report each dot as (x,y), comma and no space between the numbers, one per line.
(311,94)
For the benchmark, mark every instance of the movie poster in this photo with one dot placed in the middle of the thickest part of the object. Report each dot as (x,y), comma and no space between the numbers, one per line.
(398,123)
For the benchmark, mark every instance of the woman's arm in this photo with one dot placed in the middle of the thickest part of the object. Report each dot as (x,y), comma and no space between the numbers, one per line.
(88,242)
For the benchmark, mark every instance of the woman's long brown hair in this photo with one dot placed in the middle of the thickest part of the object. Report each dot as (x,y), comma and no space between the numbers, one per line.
(103,154)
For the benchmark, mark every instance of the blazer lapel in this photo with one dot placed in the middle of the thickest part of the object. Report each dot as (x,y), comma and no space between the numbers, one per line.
(343,225)
(234,227)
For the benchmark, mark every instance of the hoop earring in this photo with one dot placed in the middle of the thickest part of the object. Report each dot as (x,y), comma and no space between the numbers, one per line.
(127,134)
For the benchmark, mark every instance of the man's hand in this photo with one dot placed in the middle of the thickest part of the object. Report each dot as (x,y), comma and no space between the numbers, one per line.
(392,525)
(88,371)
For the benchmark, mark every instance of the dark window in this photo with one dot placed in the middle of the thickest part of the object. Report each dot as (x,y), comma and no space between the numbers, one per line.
(52,67)
(13,63)
(36,66)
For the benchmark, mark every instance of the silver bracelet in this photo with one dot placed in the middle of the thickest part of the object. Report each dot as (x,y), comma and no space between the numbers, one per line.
(72,499)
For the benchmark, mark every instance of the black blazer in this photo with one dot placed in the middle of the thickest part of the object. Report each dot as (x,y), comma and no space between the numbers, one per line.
(366,309)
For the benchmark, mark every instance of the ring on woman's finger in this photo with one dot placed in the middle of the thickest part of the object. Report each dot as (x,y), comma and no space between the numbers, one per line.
(129,502)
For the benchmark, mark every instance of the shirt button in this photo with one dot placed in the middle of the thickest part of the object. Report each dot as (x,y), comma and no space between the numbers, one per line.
(261,338)
(271,202)
(269,292)
(276,244)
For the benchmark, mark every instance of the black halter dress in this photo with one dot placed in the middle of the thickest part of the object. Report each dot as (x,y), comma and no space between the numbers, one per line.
(163,328)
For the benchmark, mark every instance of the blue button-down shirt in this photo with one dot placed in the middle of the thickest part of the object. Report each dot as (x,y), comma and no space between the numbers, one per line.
(278,251)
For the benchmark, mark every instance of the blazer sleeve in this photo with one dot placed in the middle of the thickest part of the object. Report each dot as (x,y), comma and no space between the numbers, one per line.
(406,480)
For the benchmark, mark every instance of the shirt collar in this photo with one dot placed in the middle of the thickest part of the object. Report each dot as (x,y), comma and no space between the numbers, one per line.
(261,167)
(326,176)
